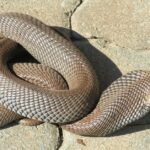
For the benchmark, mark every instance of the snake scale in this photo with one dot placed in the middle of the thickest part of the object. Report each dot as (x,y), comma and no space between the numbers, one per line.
(63,88)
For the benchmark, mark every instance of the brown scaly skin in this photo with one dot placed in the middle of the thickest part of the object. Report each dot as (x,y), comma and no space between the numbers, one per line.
(124,101)
(50,49)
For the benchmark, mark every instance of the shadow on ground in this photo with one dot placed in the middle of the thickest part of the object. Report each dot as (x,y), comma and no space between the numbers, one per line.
(10,125)
(131,129)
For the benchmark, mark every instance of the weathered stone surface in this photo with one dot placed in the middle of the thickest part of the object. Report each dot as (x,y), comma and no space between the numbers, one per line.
(70,5)
(125,22)
(130,138)
(110,61)
(126,60)
(41,137)
(50,12)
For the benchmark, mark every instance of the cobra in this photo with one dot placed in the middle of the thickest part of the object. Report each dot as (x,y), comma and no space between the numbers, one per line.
(47,99)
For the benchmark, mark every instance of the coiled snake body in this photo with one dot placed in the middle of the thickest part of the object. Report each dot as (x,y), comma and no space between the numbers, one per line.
(126,100)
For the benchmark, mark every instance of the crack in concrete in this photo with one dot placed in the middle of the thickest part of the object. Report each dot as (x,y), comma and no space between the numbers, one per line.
(71,14)
(71,31)
(60,138)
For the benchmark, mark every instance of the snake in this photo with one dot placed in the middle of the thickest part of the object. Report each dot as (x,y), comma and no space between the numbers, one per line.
(62,88)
